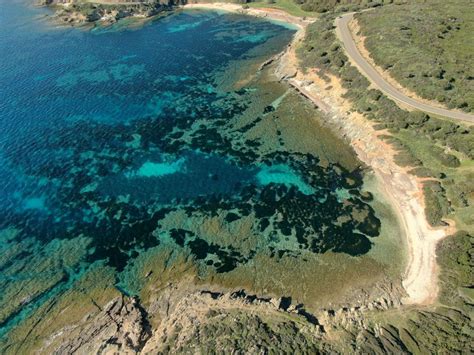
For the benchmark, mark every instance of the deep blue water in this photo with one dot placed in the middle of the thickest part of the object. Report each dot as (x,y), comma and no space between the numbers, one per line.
(106,133)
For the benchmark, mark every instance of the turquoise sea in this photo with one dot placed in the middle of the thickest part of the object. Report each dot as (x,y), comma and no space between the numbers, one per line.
(118,143)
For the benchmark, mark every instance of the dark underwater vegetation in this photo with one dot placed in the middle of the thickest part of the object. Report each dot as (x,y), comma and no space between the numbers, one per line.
(116,143)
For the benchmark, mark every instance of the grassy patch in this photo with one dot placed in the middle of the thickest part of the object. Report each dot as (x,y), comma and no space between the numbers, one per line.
(427,46)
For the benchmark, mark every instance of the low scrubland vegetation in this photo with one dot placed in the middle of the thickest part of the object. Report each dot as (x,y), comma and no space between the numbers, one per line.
(313,7)
(439,151)
(426,46)
(322,6)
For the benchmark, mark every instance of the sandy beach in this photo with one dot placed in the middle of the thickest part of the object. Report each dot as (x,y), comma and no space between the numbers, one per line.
(269,13)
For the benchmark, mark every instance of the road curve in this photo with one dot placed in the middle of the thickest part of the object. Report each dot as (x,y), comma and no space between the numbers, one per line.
(369,71)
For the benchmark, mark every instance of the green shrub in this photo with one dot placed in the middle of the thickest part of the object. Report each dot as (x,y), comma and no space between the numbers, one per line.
(436,204)
(417,118)
(456,258)
(449,160)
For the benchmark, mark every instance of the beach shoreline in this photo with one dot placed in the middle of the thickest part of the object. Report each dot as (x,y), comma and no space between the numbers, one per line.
(267,13)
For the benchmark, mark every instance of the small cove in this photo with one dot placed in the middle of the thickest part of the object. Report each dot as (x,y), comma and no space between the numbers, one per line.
(127,143)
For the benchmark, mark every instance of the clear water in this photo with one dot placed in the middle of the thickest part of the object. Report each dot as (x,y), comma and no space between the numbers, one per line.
(107,134)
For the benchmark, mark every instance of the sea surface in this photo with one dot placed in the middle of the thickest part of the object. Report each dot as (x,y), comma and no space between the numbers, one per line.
(122,147)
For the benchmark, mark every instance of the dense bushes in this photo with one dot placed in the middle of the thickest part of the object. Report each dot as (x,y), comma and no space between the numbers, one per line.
(436,204)
(461,191)
(427,46)
(456,255)
(446,159)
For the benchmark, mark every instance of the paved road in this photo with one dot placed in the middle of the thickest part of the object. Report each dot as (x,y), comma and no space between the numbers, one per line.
(368,70)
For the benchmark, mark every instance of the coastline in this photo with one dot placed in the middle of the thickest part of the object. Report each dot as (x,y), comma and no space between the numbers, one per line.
(105,290)
(268,13)
(402,190)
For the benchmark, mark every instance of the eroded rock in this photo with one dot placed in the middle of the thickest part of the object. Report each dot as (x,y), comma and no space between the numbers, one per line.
(119,327)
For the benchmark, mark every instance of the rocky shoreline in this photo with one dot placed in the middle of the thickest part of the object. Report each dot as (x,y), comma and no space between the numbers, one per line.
(76,13)
(107,12)
(185,311)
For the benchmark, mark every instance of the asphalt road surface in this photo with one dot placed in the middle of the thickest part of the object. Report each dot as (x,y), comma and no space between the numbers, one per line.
(368,70)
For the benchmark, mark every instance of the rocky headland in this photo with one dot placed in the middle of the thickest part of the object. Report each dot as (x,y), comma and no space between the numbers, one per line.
(77,13)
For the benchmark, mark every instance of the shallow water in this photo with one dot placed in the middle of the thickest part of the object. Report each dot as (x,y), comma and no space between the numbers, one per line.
(118,144)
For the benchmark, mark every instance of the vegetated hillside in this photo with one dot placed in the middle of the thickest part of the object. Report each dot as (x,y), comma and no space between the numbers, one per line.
(339,5)
(443,153)
(427,46)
